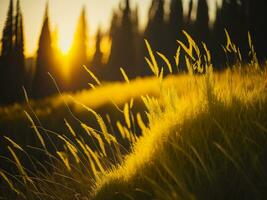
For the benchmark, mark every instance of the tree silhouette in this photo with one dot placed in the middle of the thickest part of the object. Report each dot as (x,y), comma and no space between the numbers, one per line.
(123,51)
(258,26)
(156,31)
(232,16)
(175,26)
(78,54)
(128,49)
(189,16)
(7,56)
(19,58)
(202,21)
(176,18)
(115,39)
(138,41)
(42,84)
(156,28)
(12,67)
(96,64)
(7,43)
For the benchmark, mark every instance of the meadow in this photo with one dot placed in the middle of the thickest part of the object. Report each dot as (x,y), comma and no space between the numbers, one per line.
(200,135)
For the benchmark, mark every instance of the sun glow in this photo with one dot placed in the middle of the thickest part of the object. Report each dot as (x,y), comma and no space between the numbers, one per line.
(105,48)
(64,45)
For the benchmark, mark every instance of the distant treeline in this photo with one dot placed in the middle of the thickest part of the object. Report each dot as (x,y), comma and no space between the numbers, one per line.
(128,49)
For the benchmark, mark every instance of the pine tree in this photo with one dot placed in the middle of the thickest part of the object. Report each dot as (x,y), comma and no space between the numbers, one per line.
(202,21)
(156,30)
(138,41)
(123,50)
(115,39)
(19,61)
(189,16)
(96,63)
(78,54)
(175,26)
(218,36)
(42,84)
(232,16)
(7,57)
(176,18)
(128,48)
(258,26)
(7,38)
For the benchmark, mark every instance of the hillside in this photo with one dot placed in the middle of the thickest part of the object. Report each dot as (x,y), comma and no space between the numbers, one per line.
(206,141)
(202,137)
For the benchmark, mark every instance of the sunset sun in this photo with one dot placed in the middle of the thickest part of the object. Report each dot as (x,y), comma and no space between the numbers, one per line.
(64,45)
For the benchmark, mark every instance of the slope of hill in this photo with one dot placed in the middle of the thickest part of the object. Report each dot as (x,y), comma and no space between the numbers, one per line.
(200,135)
(206,142)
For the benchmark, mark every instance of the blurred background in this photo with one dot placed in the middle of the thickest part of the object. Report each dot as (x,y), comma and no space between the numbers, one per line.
(60,37)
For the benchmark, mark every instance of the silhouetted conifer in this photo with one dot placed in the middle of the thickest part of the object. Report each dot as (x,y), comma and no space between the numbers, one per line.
(19,58)
(202,21)
(123,50)
(115,39)
(189,16)
(138,41)
(258,26)
(232,16)
(155,31)
(96,64)
(78,54)
(7,56)
(128,48)
(43,86)
(175,26)
(12,67)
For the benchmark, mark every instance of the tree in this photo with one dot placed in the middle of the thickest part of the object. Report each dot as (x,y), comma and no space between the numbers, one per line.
(258,26)
(123,35)
(115,46)
(19,57)
(12,66)
(156,28)
(232,16)
(156,31)
(7,43)
(7,55)
(128,48)
(42,84)
(176,18)
(78,54)
(202,21)
(138,41)
(175,26)
(189,16)
(96,64)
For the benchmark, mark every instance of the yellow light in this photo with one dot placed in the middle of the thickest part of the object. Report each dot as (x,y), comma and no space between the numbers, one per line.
(64,45)
(105,48)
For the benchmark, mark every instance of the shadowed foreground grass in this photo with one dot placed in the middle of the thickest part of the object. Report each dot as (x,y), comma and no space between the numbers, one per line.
(207,143)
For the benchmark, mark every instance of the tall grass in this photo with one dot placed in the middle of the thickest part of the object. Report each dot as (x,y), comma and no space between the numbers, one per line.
(205,139)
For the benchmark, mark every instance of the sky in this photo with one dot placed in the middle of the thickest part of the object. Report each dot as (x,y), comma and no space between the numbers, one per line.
(64,15)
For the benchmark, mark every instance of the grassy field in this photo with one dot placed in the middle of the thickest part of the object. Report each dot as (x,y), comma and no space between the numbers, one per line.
(200,135)
(203,142)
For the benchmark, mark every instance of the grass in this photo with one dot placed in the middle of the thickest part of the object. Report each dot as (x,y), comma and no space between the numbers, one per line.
(197,147)
(200,135)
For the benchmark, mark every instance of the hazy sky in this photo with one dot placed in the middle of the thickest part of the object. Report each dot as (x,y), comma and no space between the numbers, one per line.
(64,15)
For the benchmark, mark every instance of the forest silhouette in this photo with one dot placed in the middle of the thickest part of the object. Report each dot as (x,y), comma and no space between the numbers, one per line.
(128,49)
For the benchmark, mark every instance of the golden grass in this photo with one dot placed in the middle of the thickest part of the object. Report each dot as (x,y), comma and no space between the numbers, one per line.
(205,135)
